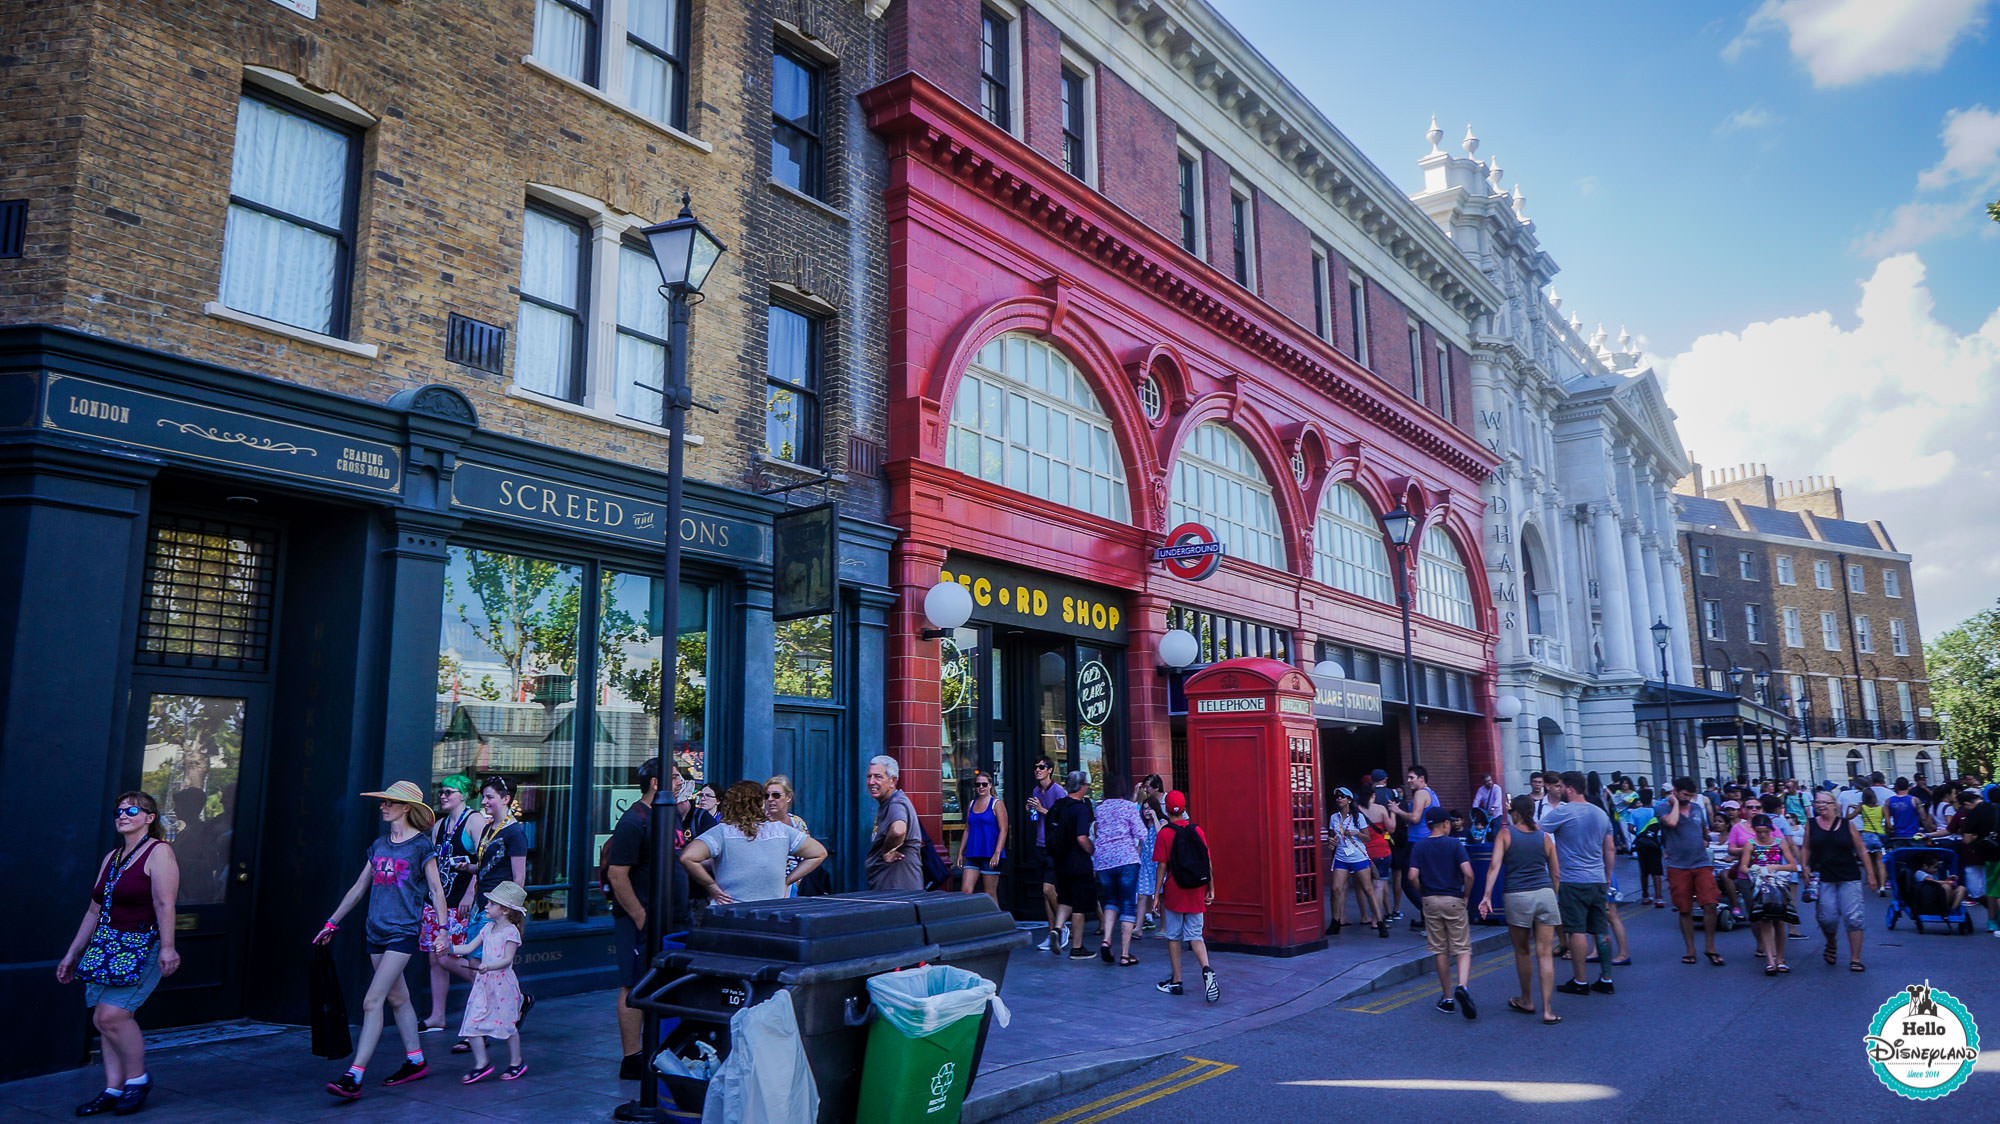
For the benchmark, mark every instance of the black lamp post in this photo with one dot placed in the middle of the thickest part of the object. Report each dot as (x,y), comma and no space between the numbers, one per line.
(1401,524)
(1661,630)
(685,251)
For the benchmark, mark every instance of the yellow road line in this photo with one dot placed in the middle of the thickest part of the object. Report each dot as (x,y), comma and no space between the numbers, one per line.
(1377,1004)
(1175,1075)
(1214,1069)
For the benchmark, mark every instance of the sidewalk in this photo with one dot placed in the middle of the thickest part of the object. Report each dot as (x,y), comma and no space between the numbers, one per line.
(1074,1023)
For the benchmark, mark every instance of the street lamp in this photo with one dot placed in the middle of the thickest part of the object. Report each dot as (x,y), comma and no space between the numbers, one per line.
(1661,631)
(1178,648)
(685,252)
(1400,524)
(947,606)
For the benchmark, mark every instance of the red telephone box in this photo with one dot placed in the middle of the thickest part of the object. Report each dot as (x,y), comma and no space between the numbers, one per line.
(1253,778)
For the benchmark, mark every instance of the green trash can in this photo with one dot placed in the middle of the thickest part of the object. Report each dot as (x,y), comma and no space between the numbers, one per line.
(920,1044)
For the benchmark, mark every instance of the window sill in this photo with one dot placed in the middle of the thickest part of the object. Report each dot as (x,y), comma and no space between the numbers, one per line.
(596,94)
(779,464)
(821,205)
(566,407)
(304,335)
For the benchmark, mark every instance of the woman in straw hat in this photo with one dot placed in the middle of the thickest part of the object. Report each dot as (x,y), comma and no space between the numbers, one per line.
(396,860)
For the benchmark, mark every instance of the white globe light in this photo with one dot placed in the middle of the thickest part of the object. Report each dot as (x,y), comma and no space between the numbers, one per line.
(1506,707)
(947,605)
(1329,669)
(1178,647)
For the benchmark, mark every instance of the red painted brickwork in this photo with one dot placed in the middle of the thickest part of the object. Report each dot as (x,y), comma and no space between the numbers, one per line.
(1215,198)
(1388,339)
(1041,85)
(1343,316)
(1138,165)
(1284,261)
(1461,390)
(938,39)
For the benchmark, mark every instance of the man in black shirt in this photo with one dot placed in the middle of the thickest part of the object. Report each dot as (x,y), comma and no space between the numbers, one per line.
(628,872)
(1070,847)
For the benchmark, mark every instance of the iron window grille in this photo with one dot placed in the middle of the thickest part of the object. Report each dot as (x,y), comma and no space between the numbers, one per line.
(475,343)
(208,594)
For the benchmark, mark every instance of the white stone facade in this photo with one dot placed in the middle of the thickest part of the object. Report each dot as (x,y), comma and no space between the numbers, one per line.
(1580,548)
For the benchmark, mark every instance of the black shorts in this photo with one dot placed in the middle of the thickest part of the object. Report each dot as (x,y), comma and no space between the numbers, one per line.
(1077,891)
(406,945)
(1040,863)
(628,951)
(1650,861)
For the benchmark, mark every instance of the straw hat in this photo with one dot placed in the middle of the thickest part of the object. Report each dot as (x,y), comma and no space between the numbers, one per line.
(510,895)
(403,792)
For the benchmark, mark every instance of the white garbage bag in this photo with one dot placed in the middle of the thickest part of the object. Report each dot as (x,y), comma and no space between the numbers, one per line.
(922,1001)
(766,1078)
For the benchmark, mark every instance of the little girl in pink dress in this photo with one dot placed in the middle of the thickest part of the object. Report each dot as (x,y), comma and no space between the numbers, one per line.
(493,1010)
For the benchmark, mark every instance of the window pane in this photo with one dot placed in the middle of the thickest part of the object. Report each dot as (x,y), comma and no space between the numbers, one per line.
(789,358)
(642,367)
(507,698)
(545,350)
(549,253)
(783,423)
(655,21)
(628,703)
(279,270)
(791,156)
(792,91)
(803,667)
(289,163)
(194,752)
(562,39)
(649,82)
(640,305)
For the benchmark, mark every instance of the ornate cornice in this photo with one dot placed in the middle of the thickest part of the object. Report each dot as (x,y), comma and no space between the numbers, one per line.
(922,123)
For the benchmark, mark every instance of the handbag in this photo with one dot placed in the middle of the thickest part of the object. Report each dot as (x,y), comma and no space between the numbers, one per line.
(116,957)
(331,1036)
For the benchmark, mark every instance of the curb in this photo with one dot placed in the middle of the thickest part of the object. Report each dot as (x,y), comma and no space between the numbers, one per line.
(1089,1069)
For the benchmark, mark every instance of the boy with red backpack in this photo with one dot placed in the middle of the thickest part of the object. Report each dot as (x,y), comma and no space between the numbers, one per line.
(1187,887)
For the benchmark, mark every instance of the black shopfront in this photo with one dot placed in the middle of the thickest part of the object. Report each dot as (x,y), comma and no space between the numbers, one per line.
(254,600)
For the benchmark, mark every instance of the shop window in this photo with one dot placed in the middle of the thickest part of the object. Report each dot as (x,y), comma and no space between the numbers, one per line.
(1348,552)
(207,595)
(288,241)
(803,666)
(1023,417)
(510,658)
(1443,591)
(795,122)
(1218,483)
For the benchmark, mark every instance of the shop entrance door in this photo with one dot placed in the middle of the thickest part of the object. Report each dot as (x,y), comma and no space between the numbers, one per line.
(199,743)
(1033,719)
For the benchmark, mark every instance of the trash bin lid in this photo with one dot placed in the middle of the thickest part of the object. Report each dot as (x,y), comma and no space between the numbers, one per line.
(946,917)
(808,930)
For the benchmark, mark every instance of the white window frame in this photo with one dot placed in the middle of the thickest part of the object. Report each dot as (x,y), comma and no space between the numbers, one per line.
(1711,620)
(1829,631)
(1085,69)
(1899,637)
(1864,635)
(1414,332)
(613,86)
(1753,623)
(1234,500)
(1442,354)
(1746,565)
(1357,309)
(1836,704)
(1704,561)
(607,232)
(1186,149)
(1795,636)
(1786,574)
(1822,574)
(1906,701)
(1016,115)
(1871,701)
(275,92)
(1322,267)
(1857,578)
(1444,591)
(988,426)
(1240,191)
(1892,583)
(1348,550)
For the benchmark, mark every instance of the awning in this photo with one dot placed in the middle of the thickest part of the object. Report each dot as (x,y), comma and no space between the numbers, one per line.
(1711,708)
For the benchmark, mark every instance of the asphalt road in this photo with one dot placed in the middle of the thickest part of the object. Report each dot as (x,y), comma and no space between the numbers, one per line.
(1674,1040)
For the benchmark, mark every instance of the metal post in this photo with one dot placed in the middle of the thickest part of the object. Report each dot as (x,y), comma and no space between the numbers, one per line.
(666,853)
(1409,659)
(1667,702)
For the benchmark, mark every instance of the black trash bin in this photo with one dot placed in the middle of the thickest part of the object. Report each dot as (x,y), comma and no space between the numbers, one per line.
(821,949)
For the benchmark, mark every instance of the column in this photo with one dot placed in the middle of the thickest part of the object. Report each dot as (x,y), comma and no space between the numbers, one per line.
(1150,733)
(1681,651)
(750,688)
(1612,591)
(911,725)
(1656,596)
(1637,594)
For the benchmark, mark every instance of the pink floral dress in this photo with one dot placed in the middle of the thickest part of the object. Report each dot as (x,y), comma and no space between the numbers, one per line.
(495,1003)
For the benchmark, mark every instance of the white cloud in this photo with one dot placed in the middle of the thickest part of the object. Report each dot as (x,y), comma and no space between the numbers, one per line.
(1913,224)
(1903,411)
(1755,117)
(1587,185)
(1971,149)
(1844,41)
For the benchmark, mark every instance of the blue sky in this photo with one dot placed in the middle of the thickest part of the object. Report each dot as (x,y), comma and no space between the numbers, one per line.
(1779,195)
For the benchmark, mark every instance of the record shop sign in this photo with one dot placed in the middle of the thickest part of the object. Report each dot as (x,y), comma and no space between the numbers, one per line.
(210,433)
(517,495)
(1012,595)
(1093,693)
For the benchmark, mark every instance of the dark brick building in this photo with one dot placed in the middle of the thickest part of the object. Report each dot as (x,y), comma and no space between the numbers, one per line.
(1818,612)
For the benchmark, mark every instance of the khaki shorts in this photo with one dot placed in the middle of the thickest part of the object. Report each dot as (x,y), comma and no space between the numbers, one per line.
(1445,928)
(1533,907)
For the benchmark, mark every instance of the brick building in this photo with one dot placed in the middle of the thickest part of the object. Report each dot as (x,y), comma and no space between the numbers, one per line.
(1811,613)
(1137,281)
(330,424)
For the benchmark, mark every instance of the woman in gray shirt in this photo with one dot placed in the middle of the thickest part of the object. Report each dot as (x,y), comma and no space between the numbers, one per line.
(750,852)
(1525,856)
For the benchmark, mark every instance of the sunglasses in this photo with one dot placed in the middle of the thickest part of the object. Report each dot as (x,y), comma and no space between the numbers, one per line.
(129,810)
(982,784)
(774,796)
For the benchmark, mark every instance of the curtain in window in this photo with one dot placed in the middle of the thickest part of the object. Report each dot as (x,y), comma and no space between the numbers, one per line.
(271,267)
(545,352)
(642,323)
(562,39)
(649,77)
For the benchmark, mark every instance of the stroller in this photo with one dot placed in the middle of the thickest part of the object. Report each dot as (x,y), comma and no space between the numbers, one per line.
(1923,901)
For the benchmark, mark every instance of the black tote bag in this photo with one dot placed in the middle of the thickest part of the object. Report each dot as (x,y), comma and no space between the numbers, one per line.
(331,1036)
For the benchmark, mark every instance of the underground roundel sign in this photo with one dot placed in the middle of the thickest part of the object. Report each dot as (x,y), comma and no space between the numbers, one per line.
(1191,552)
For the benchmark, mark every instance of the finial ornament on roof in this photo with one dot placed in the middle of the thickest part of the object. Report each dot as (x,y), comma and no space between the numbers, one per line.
(1624,339)
(1597,339)
(1493,173)
(1520,203)
(1575,322)
(1470,143)
(1555,299)
(1435,134)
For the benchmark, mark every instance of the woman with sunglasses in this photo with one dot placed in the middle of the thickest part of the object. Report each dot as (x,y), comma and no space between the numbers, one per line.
(984,843)
(778,809)
(455,836)
(136,886)
(401,873)
(1347,830)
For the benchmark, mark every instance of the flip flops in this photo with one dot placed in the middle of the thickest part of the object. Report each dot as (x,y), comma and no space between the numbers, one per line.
(1515,1005)
(1716,959)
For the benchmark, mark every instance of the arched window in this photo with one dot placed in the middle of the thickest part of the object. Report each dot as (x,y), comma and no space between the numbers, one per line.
(1217,483)
(1443,593)
(1024,418)
(1531,603)
(1347,546)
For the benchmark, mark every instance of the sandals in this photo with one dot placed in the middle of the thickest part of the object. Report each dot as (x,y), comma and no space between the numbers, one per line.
(477,1075)
(464,1047)
(1716,959)
(1855,966)
(1127,961)
(1515,1005)
(1690,958)
(1770,969)
(1784,969)
(1552,1020)
(1831,956)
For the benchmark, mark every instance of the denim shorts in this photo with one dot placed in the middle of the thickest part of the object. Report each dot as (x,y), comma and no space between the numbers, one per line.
(129,998)
(1118,888)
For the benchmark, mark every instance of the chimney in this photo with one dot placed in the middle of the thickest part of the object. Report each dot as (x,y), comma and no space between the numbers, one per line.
(1749,484)
(1690,485)
(1816,494)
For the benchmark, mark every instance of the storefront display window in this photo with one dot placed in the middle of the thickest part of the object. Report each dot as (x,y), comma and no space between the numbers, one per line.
(803,659)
